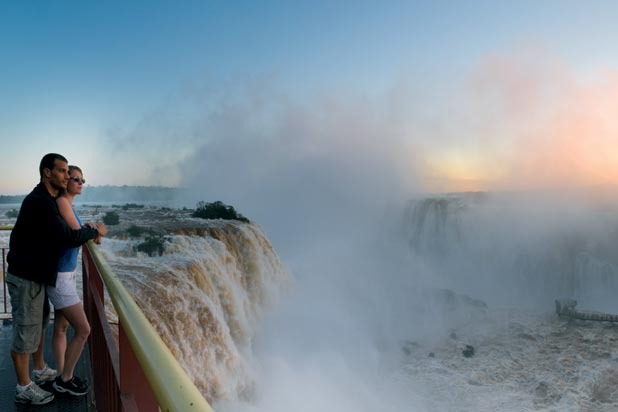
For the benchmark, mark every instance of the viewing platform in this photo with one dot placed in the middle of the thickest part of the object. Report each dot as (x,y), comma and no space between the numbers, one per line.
(134,370)
(61,402)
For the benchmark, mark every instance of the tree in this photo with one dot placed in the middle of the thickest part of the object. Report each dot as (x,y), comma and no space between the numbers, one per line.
(136,231)
(152,245)
(13,213)
(111,218)
(217,210)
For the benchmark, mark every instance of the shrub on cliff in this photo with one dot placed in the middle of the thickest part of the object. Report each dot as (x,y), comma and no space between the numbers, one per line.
(218,210)
(13,213)
(136,231)
(111,218)
(128,206)
(152,245)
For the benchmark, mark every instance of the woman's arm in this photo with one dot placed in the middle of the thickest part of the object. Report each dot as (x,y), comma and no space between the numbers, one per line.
(67,212)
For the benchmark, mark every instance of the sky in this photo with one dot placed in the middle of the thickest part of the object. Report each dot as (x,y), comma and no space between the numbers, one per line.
(403,96)
(309,116)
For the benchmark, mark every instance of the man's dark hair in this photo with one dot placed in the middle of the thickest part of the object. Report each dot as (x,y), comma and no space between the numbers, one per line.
(49,161)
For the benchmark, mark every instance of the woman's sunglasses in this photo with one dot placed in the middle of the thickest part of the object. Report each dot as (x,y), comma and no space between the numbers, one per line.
(78,180)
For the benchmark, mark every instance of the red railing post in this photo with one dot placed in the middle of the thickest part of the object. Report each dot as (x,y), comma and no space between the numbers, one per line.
(132,377)
(104,355)
(4,279)
(119,382)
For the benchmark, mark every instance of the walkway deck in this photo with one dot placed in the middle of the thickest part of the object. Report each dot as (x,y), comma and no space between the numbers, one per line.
(62,402)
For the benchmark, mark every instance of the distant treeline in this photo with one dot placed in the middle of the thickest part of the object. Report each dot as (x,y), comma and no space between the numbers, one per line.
(129,193)
(11,199)
(117,194)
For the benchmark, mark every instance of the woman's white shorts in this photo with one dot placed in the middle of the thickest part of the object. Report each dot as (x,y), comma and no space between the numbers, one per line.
(65,292)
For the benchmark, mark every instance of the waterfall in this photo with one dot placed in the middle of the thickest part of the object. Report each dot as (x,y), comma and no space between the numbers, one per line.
(512,248)
(433,225)
(205,296)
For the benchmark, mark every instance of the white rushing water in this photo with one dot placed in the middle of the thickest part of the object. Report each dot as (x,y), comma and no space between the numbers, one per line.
(452,311)
(522,362)
(205,296)
(519,250)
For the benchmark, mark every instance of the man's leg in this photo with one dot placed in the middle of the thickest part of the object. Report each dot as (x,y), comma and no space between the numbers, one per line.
(38,359)
(27,306)
(21,363)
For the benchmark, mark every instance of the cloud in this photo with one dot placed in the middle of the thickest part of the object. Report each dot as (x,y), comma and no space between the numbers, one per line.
(319,172)
(536,123)
(301,166)
(517,120)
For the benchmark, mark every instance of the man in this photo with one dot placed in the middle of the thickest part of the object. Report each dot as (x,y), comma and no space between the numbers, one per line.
(36,240)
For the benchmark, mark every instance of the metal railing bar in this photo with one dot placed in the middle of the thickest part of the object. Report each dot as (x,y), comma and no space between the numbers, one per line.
(173,389)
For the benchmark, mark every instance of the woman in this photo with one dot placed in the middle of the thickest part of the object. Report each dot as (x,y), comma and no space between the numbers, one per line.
(68,307)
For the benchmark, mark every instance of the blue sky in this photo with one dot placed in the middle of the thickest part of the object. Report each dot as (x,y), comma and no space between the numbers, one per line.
(134,91)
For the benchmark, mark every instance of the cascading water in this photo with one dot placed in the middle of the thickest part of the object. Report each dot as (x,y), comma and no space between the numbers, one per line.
(433,225)
(517,252)
(509,249)
(495,263)
(204,296)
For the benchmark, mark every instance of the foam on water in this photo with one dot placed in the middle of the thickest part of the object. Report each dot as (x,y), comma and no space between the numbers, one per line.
(205,296)
(523,361)
(483,272)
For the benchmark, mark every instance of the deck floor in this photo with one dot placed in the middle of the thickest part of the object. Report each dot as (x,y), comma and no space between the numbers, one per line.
(62,402)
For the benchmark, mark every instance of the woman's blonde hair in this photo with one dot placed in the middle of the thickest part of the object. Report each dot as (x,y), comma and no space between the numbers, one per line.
(73,167)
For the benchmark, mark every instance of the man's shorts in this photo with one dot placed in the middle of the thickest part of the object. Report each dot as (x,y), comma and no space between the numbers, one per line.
(65,293)
(30,310)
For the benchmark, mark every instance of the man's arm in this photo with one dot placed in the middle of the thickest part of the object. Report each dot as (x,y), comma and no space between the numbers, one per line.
(72,237)
(77,237)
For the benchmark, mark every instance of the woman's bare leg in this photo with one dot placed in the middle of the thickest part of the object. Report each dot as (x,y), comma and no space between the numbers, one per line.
(59,340)
(77,318)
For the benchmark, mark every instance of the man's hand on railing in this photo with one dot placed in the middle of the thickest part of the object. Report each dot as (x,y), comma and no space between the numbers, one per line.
(101,228)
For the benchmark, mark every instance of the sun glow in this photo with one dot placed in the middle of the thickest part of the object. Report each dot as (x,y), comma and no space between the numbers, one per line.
(564,135)
(460,170)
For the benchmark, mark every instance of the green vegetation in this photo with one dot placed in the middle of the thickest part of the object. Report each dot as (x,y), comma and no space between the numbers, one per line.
(111,218)
(217,210)
(136,231)
(128,206)
(13,213)
(152,245)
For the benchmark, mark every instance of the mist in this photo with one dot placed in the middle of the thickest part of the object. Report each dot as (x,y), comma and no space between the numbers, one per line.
(520,249)
(322,183)
(342,184)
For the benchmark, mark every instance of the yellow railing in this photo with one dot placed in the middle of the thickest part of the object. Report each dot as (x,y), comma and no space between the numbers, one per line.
(170,384)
